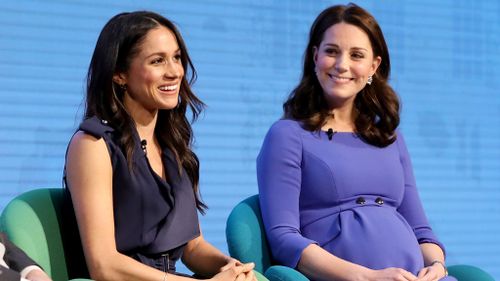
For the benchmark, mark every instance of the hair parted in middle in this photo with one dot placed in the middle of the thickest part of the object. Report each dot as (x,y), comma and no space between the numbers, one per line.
(376,105)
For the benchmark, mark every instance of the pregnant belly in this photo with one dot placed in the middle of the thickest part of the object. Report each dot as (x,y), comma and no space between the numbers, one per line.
(376,237)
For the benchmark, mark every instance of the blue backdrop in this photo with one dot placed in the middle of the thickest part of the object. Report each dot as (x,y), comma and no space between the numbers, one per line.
(445,57)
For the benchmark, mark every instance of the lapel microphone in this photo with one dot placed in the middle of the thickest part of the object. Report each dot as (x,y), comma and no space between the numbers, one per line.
(330,133)
(144,144)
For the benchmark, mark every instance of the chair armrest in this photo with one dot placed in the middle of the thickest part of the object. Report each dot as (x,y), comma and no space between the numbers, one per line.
(284,273)
(469,273)
(259,276)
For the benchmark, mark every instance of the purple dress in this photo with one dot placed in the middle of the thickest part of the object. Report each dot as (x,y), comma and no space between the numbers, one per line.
(357,201)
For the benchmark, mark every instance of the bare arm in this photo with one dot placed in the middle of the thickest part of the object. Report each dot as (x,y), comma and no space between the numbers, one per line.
(199,249)
(431,252)
(432,270)
(215,261)
(89,174)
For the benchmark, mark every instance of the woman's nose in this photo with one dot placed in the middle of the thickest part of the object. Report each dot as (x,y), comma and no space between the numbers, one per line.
(172,70)
(341,64)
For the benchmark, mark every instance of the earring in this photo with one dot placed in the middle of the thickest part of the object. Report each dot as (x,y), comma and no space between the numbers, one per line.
(370,80)
(123,87)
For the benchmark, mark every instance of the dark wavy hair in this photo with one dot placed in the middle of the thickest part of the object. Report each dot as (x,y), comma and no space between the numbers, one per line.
(118,43)
(377,104)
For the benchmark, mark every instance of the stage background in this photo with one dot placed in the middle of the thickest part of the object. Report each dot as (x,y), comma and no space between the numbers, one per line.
(445,57)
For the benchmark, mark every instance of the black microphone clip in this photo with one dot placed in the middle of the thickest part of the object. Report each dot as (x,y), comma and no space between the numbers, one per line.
(144,143)
(330,133)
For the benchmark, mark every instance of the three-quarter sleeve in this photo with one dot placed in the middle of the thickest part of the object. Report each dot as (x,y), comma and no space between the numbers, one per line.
(279,180)
(411,207)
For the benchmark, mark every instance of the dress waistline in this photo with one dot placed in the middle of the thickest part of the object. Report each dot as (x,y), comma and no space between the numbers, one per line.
(163,261)
(325,225)
(365,200)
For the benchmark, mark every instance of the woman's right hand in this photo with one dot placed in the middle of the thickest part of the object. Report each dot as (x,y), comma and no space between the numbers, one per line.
(390,274)
(236,273)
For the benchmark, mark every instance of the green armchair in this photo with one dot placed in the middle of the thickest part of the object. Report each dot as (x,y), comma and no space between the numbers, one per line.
(247,242)
(32,221)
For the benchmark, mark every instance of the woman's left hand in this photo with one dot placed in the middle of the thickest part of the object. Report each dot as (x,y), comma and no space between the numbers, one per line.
(431,273)
(246,275)
(230,263)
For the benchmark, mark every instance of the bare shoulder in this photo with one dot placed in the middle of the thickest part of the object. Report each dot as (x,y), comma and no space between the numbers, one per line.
(84,144)
(87,157)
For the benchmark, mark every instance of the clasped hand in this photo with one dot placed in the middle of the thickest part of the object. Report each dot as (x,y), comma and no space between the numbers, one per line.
(429,273)
(234,270)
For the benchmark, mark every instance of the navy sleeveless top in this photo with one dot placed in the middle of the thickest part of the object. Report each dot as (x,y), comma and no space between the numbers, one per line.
(151,216)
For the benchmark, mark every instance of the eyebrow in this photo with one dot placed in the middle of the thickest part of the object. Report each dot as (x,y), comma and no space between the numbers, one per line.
(353,48)
(162,53)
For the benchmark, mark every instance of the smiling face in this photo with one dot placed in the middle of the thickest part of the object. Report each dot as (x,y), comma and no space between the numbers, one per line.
(344,60)
(155,73)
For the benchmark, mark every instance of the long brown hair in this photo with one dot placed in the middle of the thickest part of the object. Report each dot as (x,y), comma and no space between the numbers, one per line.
(377,104)
(118,43)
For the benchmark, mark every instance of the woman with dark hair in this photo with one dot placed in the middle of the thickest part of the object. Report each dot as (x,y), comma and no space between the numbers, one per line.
(130,171)
(336,186)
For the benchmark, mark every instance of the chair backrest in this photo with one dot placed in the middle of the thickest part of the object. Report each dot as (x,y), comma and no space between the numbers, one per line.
(32,221)
(245,234)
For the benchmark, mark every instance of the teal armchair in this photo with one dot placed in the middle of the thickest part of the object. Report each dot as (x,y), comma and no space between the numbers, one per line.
(247,242)
(32,221)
